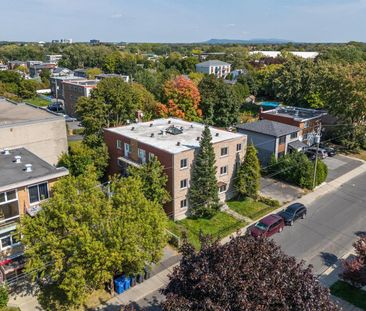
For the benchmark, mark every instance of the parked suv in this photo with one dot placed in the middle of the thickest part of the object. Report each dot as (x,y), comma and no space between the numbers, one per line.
(267,226)
(331,152)
(311,153)
(293,212)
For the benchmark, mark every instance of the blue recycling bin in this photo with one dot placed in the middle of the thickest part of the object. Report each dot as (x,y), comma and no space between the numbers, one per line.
(127,283)
(119,285)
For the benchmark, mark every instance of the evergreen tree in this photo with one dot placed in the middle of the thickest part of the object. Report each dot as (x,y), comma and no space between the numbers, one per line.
(153,180)
(203,193)
(249,174)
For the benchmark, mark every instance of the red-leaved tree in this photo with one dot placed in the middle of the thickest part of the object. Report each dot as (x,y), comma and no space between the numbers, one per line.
(355,268)
(244,274)
(181,99)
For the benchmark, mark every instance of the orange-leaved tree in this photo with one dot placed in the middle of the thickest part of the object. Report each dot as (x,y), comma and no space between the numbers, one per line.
(181,99)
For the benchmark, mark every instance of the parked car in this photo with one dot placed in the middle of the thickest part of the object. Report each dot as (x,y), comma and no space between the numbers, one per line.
(267,226)
(311,153)
(55,107)
(293,212)
(329,150)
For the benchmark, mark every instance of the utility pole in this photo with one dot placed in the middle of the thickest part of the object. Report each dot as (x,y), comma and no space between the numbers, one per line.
(317,141)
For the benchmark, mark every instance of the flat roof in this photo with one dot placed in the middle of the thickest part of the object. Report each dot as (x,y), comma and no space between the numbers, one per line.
(270,128)
(296,113)
(212,63)
(19,113)
(86,83)
(152,133)
(14,175)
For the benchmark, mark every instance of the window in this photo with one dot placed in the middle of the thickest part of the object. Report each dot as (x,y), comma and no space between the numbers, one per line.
(142,155)
(151,156)
(222,188)
(9,239)
(38,192)
(119,144)
(183,163)
(238,147)
(127,150)
(306,124)
(293,135)
(183,203)
(183,183)
(282,140)
(224,151)
(8,206)
(223,170)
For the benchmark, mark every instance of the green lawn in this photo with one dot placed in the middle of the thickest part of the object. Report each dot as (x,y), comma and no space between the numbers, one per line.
(37,101)
(218,226)
(349,293)
(9,309)
(250,208)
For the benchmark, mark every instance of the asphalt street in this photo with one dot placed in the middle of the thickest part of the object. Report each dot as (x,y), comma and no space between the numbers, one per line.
(333,223)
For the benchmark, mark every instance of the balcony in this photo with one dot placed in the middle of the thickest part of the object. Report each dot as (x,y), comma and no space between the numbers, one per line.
(9,211)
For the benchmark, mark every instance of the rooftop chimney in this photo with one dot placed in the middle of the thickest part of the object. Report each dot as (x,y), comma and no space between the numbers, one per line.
(6,151)
(28,168)
(139,116)
(17,159)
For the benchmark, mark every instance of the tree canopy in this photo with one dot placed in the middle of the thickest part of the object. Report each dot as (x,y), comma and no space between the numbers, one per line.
(82,237)
(244,274)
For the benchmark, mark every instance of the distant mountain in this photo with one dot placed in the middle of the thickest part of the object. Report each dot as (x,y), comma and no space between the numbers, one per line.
(250,41)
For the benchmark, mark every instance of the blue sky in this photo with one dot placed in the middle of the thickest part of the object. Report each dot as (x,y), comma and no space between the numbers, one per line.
(183,20)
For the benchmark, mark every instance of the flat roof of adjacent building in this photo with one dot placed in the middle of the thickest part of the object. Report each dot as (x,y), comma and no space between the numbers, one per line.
(171,135)
(210,63)
(270,128)
(296,113)
(12,113)
(84,83)
(274,54)
(14,175)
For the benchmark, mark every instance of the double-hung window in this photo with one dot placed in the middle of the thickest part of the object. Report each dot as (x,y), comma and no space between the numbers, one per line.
(224,151)
(9,239)
(8,205)
(183,163)
(38,193)
(184,183)
(127,150)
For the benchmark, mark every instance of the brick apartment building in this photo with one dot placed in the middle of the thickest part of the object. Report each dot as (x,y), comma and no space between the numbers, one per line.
(25,183)
(308,120)
(174,142)
(73,90)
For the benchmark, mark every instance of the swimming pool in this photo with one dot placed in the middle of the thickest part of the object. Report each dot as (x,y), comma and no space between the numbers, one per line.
(270,104)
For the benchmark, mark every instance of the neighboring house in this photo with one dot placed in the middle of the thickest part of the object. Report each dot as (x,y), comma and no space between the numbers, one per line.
(25,182)
(31,63)
(53,58)
(57,86)
(3,67)
(216,67)
(73,90)
(61,72)
(271,137)
(94,41)
(308,120)
(81,73)
(174,142)
(40,131)
(35,70)
(112,75)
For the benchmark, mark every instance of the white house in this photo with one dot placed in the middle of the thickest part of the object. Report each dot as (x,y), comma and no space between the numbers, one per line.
(216,67)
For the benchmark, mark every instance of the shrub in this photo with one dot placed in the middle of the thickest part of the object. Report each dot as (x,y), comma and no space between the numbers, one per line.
(4,296)
(269,201)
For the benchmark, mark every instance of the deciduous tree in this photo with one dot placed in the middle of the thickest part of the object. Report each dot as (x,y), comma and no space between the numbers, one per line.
(244,274)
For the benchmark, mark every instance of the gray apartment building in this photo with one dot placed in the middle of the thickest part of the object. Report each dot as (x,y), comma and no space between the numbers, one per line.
(270,137)
(40,131)
(175,142)
(215,67)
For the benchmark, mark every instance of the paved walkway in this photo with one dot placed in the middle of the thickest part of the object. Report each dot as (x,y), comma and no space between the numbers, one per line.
(225,208)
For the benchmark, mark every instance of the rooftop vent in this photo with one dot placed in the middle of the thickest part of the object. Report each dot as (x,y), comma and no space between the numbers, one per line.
(17,159)
(128,121)
(152,135)
(169,121)
(191,126)
(174,130)
(151,125)
(132,128)
(28,168)
(178,143)
(6,151)
(217,134)
(198,138)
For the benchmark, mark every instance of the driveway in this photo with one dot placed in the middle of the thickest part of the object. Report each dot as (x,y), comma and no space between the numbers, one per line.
(339,165)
